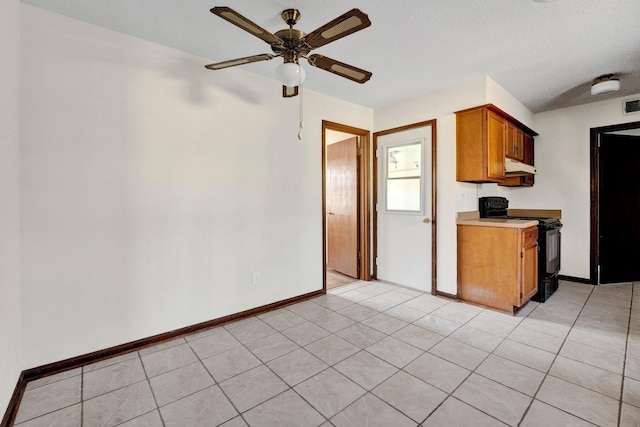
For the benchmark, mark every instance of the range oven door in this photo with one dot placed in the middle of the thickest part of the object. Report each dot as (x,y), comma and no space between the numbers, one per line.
(553,250)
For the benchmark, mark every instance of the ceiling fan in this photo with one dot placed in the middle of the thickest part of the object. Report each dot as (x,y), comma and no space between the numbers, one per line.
(292,44)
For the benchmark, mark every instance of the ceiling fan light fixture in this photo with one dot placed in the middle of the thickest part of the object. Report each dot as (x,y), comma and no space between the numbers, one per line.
(290,74)
(604,84)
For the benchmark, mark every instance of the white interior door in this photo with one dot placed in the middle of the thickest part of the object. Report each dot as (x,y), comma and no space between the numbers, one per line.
(404,208)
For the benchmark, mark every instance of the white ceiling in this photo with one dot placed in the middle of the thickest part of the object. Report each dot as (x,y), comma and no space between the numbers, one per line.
(546,54)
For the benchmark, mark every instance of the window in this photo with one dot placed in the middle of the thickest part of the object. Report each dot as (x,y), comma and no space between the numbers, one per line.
(403,189)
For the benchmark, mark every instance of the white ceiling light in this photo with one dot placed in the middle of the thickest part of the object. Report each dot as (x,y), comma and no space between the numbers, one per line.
(604,84)
(290,74)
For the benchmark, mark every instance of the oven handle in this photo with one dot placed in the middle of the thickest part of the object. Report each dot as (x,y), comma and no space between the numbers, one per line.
(557,226)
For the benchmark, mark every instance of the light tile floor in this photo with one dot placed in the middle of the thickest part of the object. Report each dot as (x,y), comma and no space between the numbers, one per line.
(373,354)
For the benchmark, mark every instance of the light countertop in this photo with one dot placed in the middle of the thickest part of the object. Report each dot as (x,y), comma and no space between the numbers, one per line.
(473,218)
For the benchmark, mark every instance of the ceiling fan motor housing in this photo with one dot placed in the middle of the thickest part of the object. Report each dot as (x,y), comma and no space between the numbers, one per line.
(292,45)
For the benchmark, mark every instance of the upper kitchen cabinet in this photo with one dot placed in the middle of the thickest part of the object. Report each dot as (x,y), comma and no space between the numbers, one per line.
(513,142)
(485,136)
(480,138)
(527,158)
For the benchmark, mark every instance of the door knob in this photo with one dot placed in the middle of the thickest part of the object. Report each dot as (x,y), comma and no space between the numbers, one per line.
(426,220)
(330,213)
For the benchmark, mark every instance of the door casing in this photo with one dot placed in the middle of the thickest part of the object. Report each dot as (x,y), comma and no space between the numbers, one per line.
(343,205)
(434,187)
(595,195)
(364,179)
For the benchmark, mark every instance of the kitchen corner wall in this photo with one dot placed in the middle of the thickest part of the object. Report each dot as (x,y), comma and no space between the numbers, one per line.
(11,362)
(562,156)
(153,188)
(453,196)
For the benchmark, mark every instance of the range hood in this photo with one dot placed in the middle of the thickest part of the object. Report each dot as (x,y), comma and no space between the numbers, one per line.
(516,168)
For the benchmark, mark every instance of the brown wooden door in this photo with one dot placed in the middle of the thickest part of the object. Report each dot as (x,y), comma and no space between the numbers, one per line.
(342,207)
(619,208)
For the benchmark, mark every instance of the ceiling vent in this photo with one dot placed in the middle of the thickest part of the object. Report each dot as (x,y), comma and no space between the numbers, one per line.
(631,106)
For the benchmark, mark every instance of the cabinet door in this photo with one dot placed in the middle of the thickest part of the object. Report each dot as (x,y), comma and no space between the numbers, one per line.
(514,142)
(518,145)
(527,154)
(509,147)
(495,145)
(529,272)
(527,157)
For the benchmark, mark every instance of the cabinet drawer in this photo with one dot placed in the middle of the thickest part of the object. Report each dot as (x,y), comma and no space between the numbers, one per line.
(529,235)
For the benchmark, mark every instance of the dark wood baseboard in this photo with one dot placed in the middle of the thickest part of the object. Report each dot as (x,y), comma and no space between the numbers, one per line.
(575,279)
(107,353)
(14,403)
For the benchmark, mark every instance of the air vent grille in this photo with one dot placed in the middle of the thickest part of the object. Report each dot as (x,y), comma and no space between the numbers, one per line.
(631,106)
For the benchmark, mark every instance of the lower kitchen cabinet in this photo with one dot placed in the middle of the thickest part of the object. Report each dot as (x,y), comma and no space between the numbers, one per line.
(497,266)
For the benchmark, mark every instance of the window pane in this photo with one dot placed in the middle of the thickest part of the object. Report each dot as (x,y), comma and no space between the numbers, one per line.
(403,194)
(404,161)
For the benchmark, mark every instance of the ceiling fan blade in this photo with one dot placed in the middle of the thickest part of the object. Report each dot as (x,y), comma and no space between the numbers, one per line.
(349,23)
(238,20)
(340,68)
(239,61)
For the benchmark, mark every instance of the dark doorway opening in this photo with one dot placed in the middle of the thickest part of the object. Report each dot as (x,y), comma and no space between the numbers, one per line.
(615,203)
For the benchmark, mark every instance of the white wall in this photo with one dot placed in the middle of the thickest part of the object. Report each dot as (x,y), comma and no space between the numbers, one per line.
(562,156)
(153,188)
(453,196)
(10,328)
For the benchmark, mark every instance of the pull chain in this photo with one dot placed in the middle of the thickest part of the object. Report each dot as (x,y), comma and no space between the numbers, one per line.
(300,105)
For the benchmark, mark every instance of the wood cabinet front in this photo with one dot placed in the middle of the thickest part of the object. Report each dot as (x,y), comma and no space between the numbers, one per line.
(527,158)
(480,136)
(485,136)
(513,142)
(497,266)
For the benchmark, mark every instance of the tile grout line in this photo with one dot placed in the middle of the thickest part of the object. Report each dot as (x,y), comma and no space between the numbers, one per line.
(215,382)
(82,396)
(473,371)
(626,352)
(146,375)
(378,311)
(557,354)
(492,352)
(360,349)
(448,394)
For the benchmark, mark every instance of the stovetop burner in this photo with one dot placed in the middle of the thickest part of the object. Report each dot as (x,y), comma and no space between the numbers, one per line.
(497,207)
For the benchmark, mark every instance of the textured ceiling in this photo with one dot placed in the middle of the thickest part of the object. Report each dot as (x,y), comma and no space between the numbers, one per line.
(546,54)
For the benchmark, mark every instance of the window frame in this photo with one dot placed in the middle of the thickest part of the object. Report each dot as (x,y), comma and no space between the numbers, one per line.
(421,179)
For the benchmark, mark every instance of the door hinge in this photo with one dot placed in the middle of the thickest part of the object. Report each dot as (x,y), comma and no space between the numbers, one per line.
(376,260)
(358,254)
(521,254)
(521,295)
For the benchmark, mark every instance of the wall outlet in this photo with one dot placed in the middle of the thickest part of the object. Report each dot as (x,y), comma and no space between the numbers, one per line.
(256,277)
